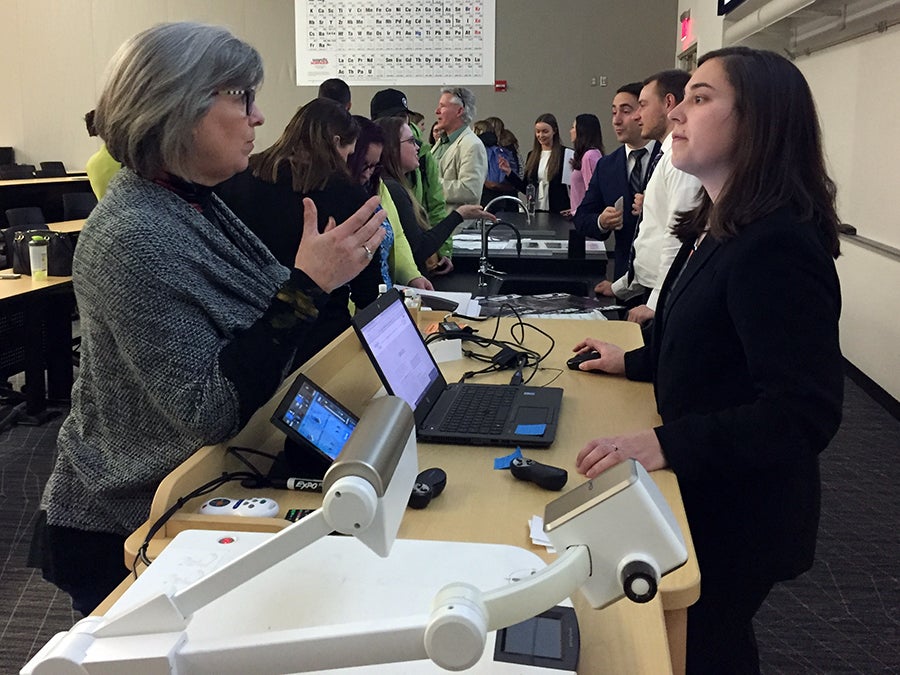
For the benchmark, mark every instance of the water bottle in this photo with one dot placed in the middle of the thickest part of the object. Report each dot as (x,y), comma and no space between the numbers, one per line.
(37,254)
(530,198)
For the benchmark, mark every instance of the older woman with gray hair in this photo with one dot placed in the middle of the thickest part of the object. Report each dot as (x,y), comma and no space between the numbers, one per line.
(188,322)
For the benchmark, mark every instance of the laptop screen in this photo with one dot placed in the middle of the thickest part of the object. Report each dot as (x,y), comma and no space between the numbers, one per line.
(397,348)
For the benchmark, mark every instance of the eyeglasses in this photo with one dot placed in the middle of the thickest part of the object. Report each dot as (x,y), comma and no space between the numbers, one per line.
(249,96)
(412,139)
(371,167)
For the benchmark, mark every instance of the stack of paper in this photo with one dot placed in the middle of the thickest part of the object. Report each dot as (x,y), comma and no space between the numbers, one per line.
(538,538)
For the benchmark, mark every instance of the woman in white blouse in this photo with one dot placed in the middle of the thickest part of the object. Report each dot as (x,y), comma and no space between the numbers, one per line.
(543,167)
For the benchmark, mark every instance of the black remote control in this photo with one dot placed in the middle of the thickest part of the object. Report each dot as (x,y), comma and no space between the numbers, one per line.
(542,475)
(429,484)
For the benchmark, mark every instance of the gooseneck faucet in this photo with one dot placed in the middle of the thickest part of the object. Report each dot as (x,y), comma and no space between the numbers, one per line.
(485,269)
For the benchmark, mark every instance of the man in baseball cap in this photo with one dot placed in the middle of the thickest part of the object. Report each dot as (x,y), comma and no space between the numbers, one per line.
(388,103)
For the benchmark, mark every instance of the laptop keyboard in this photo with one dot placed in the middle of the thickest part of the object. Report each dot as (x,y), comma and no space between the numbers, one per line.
(481,409)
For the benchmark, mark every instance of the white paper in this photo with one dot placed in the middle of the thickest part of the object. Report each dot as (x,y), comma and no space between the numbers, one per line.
(567,166)
(538,538)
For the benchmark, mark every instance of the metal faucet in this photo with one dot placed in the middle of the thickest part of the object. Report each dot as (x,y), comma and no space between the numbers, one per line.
(518,201)
(485,269)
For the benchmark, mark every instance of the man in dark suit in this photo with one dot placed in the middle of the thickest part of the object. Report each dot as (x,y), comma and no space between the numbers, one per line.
(617,175)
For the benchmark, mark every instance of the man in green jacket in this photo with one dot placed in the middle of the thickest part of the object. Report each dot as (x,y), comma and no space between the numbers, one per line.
(426,180)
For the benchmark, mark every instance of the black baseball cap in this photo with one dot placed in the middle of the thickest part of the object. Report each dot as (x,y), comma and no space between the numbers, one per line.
(388,103)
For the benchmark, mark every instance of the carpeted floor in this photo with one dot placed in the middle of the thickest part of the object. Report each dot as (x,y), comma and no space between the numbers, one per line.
(841,617)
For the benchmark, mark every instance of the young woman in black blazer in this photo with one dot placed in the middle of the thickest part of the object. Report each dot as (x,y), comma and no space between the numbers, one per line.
(744,352)
(551,194)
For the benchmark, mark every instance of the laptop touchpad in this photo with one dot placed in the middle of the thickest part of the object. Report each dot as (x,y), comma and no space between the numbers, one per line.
(531,415)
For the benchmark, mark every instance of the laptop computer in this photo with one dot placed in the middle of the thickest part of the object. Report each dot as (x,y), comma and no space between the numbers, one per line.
(451,413)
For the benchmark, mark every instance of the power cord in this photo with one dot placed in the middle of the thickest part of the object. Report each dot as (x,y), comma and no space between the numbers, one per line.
(510,354)
(226,477)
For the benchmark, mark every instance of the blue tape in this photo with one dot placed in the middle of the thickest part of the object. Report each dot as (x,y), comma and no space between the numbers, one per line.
(504,462)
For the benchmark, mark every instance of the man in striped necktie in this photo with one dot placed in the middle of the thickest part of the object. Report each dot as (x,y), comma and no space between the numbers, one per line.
(666,191)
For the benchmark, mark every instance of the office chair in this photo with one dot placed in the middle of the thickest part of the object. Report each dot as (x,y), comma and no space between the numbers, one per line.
(25,215)
(16,171)
(77,205)
(52,170)
(7,156)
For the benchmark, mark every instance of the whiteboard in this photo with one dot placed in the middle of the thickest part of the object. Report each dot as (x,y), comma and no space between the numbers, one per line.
(395,42)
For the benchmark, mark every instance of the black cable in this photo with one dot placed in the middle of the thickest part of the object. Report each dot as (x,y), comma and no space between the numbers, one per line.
(235,451)
(559,371)
(526,357)
(469,318)
(254,474)
(206,488)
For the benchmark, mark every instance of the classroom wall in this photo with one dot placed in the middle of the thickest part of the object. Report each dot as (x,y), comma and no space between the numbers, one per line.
(54,54)
(858,104)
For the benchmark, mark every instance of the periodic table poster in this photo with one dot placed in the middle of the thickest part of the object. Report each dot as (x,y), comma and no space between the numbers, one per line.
(395,42)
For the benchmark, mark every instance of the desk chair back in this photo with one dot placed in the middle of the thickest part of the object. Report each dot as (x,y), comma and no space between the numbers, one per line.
(25,215)
(16,171)
(78,205)
(52,170)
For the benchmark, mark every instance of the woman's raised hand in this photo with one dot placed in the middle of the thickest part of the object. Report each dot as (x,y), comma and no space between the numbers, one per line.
(335,256)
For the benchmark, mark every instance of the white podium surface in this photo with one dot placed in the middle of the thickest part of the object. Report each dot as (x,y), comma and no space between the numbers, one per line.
(336,580)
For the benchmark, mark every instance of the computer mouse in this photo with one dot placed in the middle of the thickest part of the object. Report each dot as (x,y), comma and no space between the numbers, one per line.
(578,359)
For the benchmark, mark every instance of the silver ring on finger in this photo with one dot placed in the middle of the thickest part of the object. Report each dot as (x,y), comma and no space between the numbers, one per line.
(369,254)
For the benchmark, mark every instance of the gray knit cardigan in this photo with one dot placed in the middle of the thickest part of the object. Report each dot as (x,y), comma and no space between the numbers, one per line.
(160,290)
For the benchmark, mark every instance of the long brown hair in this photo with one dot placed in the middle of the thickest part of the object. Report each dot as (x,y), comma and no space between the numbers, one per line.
(778,162)
(556,153)
(587,135)
(307,145)
(390,164)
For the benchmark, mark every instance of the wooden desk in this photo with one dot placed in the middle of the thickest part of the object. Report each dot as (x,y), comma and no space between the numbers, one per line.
(37,316)
(68,226)
(480,504)
(37,319)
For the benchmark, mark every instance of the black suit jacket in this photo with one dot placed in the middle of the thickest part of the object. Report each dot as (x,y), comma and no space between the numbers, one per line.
(609,182)
(748,376)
